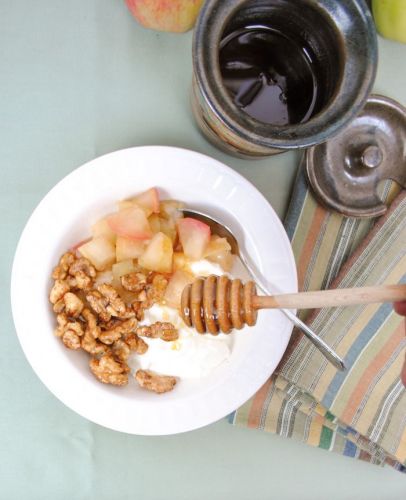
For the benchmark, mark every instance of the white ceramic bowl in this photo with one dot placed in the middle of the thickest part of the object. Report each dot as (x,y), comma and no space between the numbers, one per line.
(64,217)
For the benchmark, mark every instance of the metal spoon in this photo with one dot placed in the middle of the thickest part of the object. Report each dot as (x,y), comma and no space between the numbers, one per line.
(223,231)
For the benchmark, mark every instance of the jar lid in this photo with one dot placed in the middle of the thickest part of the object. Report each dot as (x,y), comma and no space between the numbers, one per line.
(345,171)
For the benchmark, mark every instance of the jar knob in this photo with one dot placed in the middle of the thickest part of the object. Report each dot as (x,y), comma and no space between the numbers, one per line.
(371,157)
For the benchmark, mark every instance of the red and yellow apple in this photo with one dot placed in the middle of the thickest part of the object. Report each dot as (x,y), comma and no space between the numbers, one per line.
(176,16)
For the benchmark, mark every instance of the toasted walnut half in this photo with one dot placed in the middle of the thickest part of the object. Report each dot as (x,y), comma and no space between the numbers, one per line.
(115,333)
(61,270)
(157,287)
(93,346)
(150,295)
(155,382)
(121,350)
(59,306)
(134,282)
(165,331)
(73,305)
(135,343)
(58,291)
(99,304)
(81,274)
(69,331)
(109,370)
(82,265)
(92,327)
(106,302)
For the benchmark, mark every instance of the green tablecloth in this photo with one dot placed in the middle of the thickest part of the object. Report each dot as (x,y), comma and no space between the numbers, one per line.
(79,79)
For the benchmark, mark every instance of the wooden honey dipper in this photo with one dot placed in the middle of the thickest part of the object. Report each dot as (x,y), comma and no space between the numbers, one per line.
(217,303)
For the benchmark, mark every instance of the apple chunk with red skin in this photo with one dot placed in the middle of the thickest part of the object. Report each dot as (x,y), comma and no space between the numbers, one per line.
(176,16)
(194,237)
(130,223)
(148,201)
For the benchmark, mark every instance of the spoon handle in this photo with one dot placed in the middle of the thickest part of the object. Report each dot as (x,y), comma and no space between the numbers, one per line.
(332,298)
(324,348)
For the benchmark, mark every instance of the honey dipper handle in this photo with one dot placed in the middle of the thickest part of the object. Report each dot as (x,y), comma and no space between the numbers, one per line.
(332,298)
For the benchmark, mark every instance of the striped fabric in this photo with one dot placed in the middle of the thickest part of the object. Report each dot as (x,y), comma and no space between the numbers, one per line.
(360,412)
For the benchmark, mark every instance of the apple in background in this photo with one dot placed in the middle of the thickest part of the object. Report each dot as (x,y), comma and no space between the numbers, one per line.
(390,18)
(176,16)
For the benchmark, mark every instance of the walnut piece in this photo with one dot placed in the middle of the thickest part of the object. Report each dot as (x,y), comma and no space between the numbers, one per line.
(58,291)
(61,270)
(155,382)
(121,350)
(92,327)
(115,333)
(93,346)
(99,304)
(156,290)
(116,305)
(106,302)
(82,265)
(81,281)
(69,331)
(59,306)
(71,340)
(109,370)
(152,293)
(134,282)
(73,305)
(165,331)
(89,341)
(136,343)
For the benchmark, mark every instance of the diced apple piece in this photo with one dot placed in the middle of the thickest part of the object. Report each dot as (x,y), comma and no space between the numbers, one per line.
(224,259)
(103,277)
(217,245)
(148,199)
(194,237)
(129,249)
(74,247)
(102,228)
(180,261)
(168,227)
(121,269)
(154,222)
(219,251)
(175,287)
(158,254)
(170,209)
(131,223)
(125,204)
(100,251)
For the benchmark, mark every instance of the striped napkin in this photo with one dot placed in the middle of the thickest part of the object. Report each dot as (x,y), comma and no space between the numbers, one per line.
(360,412)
